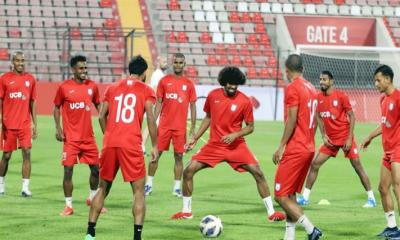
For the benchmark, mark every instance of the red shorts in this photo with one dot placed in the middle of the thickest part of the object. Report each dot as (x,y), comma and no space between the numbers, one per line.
(332,151)
(131,161)
(292,172)
(236,156)
(178,138)
(82,151)
(389,157)
(16,138)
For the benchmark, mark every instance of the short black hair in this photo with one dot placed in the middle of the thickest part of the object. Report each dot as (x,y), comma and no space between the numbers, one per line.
(17,53)
(294,63)
(386,71)
(328,73)
(179,55)
(75,59)
(137,65)
(231,75)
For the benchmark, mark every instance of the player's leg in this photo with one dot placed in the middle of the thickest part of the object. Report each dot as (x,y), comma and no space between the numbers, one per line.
(139,207)
(9,145)
(68,187)
(3,170)
(93,182)
(359,169)
(26,171)
(148,188)
(89,154)
(263,190)
(178,171)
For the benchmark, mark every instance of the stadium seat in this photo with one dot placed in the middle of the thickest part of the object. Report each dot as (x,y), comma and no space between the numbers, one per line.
(191,72)
(223,60)
(234,17)
(208,6)
(205,37)
(344,10)
(212,60)
(170,37)
(310,9)
(176,15)
(242,7)
(100,35)
(287,8)
(251,73)
(105,3)
(299,8)
(199,16)
(173,5)
(265,7)
(213,27)
(257,18)
(254,7)
(248,61)
(220,49)
(196,5)
(260,28)
(219,6)
(246,17)
(264,73)
(244,50)
(276,8)
(236,61)
(211,16)
(229,38)
(355,10)
(110,23)
(188,16)
(225,27)
(252,39)
(3,54)
(217,37)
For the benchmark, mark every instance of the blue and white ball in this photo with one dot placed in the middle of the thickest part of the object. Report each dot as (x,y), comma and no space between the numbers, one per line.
(211,226)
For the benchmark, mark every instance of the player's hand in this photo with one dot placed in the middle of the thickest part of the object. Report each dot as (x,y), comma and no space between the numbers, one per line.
(347,145)
(34,132)
(365,143)
(327,141)
(276,158)
(190,144)
(60,135)
(154,155)
(230,138)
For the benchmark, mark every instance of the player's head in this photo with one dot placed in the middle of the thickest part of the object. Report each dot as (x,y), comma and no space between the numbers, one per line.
(179,63)
(138,67)
(325,80)
(230,78)
(18,62)
(383,78)
(79,68)
(162,63)
(293,66)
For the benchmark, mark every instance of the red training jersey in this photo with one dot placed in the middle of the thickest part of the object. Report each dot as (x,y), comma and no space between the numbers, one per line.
(75,100)
(227,114)
(390,121)
(302,94)
(17,91)
(333,111)
(126,107)
(176,94)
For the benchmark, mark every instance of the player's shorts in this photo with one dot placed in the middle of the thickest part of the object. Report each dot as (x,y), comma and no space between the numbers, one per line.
(16,138)
(235,156)
(332,151)
(292,172)
(178,138)
(389,157)
(131,162)
(80,152)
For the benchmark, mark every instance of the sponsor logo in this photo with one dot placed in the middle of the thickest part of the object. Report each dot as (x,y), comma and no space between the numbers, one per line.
(16,95)
(90,91)
(277,186)
(233,107)
(171,95)
(27,83)
(325,114)
(216,101)
(169,84)
(77,105)
(335,103)
(184,87)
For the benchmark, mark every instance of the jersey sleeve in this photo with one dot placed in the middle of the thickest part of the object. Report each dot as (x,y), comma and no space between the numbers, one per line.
(33,90)
(160,89)
(248,112)
(59,98)
(2,89)
(206,107)
(292,97)
(96,94)
(346,103)
(150,95)
(107,94)
(193,95)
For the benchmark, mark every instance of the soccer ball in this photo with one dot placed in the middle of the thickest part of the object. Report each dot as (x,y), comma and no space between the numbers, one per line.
(211,226)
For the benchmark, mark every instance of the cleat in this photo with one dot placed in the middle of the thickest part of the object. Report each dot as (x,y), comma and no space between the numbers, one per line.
(370,203)
(89,202)
(26,193)
(302,201)
(315,235)
(277,217)
(147,190)
(177,192)
(182,215)
(89,237)
(387,232)
(2,194)
(67,211)
(394,236)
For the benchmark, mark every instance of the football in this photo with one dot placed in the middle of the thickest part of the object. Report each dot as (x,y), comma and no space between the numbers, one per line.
(211,226)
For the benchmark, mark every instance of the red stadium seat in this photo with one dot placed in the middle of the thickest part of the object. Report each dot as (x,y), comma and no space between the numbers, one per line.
(3,54)
(244,50)
(117,57)
(110,23)
(245,17)
(248,61)
(251,73)
(182,37)
(14,32)
(232,50)
(105,3)
(170,37)
(212,60)
(174,5)
(257,18)
(260,28)
(340,2)
(220,49)
(223,60)
(236,61)
(100,35)
(113,35)
(234,17)
(75,33)
(252,39)
(118,71)
(264,39)
(191,72)
(205,37)
(264,73)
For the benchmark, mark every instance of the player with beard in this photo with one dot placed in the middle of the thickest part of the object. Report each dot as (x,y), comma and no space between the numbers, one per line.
(226,109)
(336,123)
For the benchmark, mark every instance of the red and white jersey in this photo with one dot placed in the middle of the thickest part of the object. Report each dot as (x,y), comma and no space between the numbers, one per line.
(227,114)
(390,121)
(176,94)
(302,94)
(126,107)
(333,111)
(76,101)
(17,91)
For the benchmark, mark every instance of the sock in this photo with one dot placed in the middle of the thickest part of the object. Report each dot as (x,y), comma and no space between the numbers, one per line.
(391,219)
(306,194)
(150,180)
(68,202)
(2,185)
(290,231)
(91,229)
(2,180)
(371,194)
(92,193)
(138,232)
(177,184)
(187,204)
(308,226)
(268,205)
(25,184)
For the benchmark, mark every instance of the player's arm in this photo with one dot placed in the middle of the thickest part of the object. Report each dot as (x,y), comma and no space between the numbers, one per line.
(230,138)
(287,133)
(1,113)
(152,125)
(103,113)
(97,106)
(192,118)
(378,131)
(57,120)
(349,140)
(205,124)
(157,109)
(32,108)
(321,127)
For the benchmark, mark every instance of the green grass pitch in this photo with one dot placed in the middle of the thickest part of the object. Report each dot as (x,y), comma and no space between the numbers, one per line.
(220,191)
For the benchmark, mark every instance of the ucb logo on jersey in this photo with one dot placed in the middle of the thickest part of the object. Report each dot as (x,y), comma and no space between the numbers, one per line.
(325,114)
(77,105)
(171,96)
(15,94)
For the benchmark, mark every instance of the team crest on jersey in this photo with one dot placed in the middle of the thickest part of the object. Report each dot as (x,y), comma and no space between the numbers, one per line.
(233,107)
(27,83)
(180,100)
(87,108)
(335,103)
(90,91)
(391,106)
(184,87)
(129,82)
(277,186)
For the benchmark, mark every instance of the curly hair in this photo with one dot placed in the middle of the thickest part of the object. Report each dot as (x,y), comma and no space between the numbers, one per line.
(75,59)
(137,65)
(231,75)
